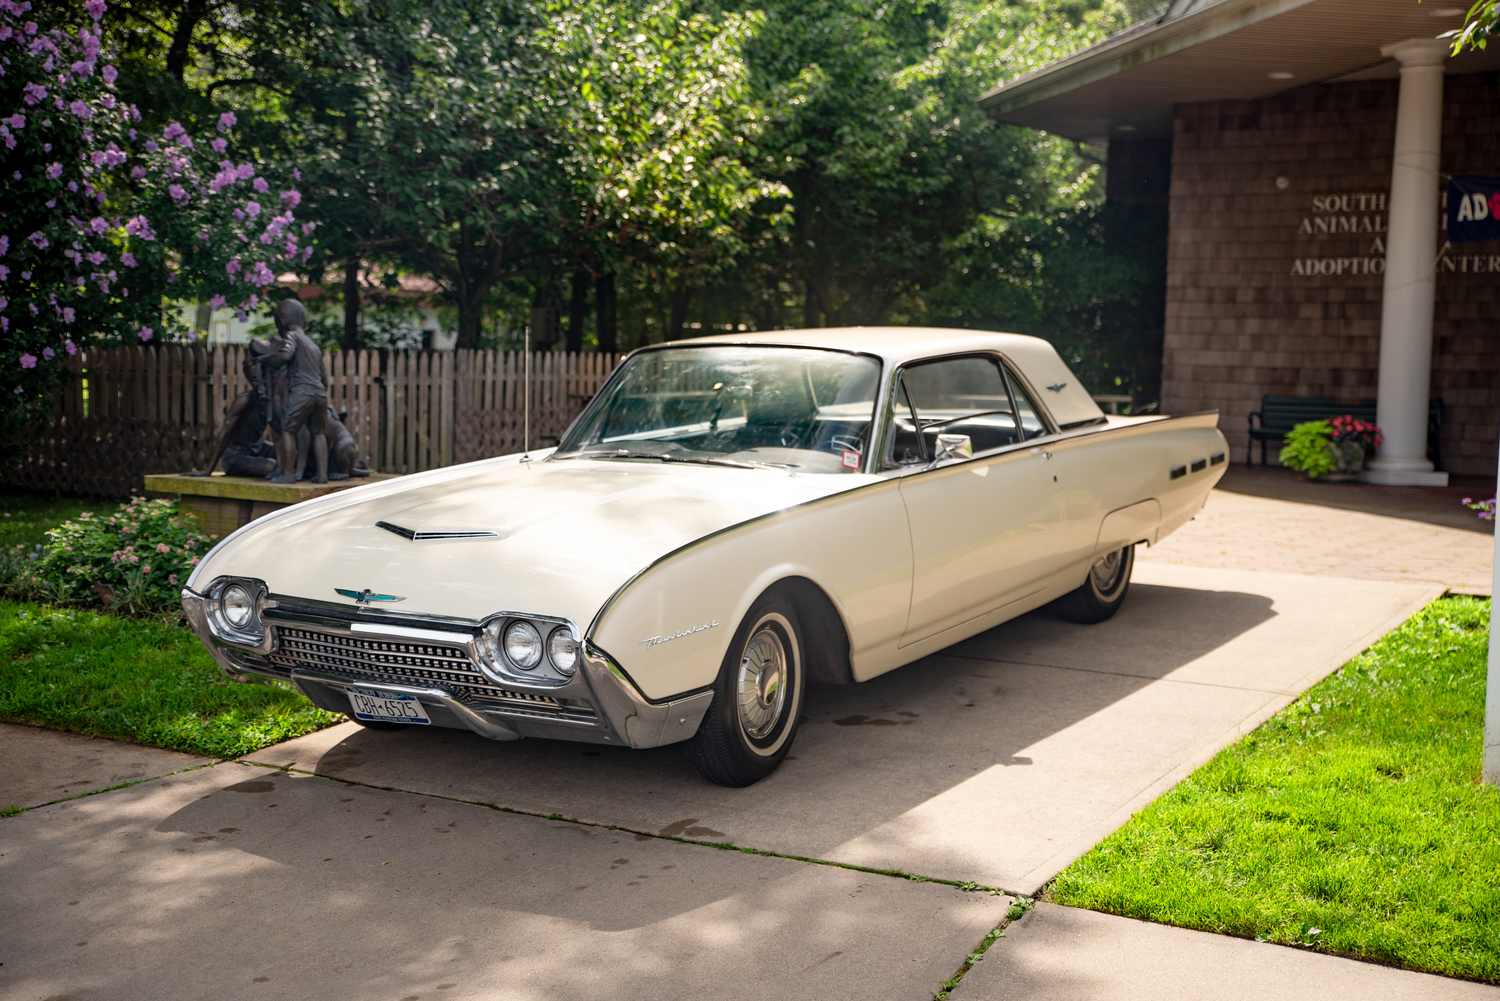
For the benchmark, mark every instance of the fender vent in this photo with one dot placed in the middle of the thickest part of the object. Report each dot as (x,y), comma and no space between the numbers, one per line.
(416,536)
(1178,472)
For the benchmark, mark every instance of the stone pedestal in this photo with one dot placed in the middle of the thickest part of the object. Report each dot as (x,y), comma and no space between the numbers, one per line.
(222,503)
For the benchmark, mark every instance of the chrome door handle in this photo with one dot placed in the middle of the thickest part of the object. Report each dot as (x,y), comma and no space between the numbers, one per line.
(1044,454)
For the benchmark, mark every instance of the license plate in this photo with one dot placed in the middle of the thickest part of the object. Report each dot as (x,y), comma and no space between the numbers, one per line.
(386,707)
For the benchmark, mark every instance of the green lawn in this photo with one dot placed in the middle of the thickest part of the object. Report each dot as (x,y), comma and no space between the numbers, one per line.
(145,680)
(25,517)
(1352,823)
(137,679)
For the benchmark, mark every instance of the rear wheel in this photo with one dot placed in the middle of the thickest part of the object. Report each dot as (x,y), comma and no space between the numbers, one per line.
(749,726)
(1102,594)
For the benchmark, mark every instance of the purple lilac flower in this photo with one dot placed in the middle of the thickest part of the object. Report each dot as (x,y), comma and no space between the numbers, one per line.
(16,121)
(226,121)
(252,209)
(54,171)
(82,110)
(173,130)
(98,225)
(140,227)
(48,354)
(4,273)
(138,172)
(110,74)
(28,361)
(261,276)
(109,102)
(151,146)
(67,313)
(241,315)
(127,259)
(217,302)
(16,176)
(4,245)
(145,333)
(39,241)
(96,258)
(30,28)
(113,155)
(296,174)
(239,215)
(291,199)
(233,266)
(245,171)
(34,93)
(178,193)
(95,8)
(219,145)
(261,185)
(70,348)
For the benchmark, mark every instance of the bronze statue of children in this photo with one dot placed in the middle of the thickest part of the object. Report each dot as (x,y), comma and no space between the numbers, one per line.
(307,395)
(242,439)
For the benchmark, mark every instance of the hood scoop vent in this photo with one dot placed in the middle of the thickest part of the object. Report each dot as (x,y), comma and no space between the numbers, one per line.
(419,536)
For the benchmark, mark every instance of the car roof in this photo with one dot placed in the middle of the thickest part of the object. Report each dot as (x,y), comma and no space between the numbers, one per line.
(1066,397)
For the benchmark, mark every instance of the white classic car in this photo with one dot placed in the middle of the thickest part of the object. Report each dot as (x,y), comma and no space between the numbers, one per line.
(729,519)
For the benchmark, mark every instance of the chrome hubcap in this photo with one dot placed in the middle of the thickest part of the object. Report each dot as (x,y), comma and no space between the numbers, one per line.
(762,683)
(1106,572)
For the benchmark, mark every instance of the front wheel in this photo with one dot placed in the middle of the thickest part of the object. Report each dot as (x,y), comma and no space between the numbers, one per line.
(1102,594)
(757,698)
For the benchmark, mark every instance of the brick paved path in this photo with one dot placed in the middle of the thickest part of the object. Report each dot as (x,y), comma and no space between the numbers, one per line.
(1270,520)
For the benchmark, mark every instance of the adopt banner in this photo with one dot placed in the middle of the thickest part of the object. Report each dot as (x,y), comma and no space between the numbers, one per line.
(1473,209)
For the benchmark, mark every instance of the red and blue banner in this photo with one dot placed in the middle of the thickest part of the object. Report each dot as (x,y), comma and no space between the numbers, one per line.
(1473,209)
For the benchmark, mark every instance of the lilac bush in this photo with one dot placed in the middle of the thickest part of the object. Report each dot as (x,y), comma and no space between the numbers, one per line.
(102,224)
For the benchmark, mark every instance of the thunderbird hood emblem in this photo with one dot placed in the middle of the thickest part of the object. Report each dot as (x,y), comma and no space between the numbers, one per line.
(366,596)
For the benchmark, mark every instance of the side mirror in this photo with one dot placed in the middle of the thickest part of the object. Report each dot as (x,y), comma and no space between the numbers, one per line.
(952,446)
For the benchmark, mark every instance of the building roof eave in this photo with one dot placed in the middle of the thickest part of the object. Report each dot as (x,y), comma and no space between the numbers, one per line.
(1141,43)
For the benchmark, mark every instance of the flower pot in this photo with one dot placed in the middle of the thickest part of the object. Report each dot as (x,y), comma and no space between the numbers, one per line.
(1348,460)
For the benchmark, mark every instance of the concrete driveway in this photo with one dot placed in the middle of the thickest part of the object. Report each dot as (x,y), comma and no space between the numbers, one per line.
(432,863)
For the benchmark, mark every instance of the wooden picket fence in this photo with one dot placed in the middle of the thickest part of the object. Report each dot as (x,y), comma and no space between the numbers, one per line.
(131,411)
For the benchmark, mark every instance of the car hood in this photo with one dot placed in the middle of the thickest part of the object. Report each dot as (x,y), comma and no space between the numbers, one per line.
(567,533)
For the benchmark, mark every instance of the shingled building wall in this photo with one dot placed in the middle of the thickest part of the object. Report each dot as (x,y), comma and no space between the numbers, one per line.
(1274,289)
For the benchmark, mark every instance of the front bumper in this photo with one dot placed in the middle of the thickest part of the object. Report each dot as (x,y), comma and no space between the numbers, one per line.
(322,648)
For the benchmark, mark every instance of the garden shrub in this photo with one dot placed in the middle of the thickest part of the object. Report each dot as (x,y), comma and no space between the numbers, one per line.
(1307,448)
(135,560)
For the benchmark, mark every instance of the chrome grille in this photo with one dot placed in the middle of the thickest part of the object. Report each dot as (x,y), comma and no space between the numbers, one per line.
(431,664)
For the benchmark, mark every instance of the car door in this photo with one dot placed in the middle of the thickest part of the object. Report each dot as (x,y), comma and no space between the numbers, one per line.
(986,529)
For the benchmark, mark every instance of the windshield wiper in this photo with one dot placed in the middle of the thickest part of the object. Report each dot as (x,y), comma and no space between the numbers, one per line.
(702,460)
(964,417)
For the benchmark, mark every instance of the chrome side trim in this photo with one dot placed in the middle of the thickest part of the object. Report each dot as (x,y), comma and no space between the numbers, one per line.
(483,724)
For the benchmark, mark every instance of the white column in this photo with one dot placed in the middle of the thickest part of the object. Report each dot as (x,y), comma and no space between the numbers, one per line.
(1410,277)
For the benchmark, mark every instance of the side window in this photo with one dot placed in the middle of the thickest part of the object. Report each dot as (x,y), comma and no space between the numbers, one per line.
(1032,425)
(965,396)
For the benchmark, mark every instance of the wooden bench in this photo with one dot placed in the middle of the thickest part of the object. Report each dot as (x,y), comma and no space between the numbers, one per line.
(1279,414)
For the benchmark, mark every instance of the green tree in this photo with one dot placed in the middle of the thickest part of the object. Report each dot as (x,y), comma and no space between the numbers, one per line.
(1480,23)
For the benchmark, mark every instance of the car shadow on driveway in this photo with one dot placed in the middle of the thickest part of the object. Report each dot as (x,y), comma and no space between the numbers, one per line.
(919,770)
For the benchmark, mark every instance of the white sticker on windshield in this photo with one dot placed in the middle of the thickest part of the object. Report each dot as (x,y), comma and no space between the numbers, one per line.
(851,460)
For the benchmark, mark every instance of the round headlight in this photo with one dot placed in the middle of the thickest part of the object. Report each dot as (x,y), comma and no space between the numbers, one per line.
(523,645)
(238,605)
(562,650)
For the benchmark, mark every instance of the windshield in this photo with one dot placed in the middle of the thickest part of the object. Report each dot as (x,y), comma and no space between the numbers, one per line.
(801,408)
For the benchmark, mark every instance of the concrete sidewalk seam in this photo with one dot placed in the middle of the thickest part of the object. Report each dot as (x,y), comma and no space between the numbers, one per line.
(963,886)
(8,812)
(1119,674)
